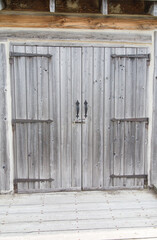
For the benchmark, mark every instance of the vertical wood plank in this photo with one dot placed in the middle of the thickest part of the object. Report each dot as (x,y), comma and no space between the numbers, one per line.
(4,151)
(32,113)
(43,113)
(13,91)
(104,7)
(107,117)
(112,132)
(21,113)
(116,138)
(2,4)
(141,82)
(153,10)
(98,119)
(54,95)
(154,124)
(20,84)
(39,106)
(87,91)
(13,98)
(130,88)
(66,116)
(119,113)
(76,128)
(52,5)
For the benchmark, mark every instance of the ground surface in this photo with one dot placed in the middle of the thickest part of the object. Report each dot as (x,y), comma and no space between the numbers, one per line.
(79,216)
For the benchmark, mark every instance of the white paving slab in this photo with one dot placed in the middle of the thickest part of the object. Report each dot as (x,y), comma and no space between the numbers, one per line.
(102,215)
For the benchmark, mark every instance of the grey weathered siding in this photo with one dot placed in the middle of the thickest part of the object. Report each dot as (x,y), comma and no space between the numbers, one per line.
(4,147)
(154,128)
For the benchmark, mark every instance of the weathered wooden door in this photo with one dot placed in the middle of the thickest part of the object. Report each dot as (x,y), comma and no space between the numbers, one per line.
(129,109)
(79,117)
(47,143)
(115,132)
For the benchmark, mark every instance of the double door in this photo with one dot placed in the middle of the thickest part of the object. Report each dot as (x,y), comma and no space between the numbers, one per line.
(66,102)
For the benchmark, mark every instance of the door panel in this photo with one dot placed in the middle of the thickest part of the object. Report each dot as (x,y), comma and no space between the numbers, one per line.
(76,128)
(55,114)
(46,88)
(119,112)
(98,117)
(87,127)
(107,117)
(92,130)
(70,85)
(66,116)
(30,88)
(129,102)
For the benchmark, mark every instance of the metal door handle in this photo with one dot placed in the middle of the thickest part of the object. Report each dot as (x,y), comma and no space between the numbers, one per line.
(77,108)
(86,108)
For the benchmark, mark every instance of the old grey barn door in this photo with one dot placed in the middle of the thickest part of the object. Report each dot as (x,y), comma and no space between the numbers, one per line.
(79,117)
(129,117)
(44,92)
(114,135)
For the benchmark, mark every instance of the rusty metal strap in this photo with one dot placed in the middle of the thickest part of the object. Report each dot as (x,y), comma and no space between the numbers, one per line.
(147,56)
(130,120)
(129,176)
(28,180)
(16,54)
(14,121)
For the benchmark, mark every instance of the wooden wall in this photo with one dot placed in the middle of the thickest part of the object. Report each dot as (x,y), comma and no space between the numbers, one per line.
(154,129)
(27,5)
(4,147)
(128,7)
(82,6)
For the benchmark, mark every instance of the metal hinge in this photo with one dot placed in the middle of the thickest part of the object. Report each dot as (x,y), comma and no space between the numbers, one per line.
(129,176)
(11,60)
(140,176)
(130,120)
(28,180)
(15,121)
(16,54)
(147,56)
(31,180)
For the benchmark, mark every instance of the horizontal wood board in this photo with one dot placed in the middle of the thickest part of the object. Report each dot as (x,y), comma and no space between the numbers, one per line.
(76,35)
(32,20)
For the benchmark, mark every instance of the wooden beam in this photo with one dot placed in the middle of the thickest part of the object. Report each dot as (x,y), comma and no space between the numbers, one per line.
(52,5)
(153,10)
(104,7)
(67,21)
(2,5)
(87,37)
